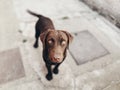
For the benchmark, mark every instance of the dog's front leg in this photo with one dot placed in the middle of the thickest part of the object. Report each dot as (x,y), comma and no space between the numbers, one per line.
(56,70)
(49,75)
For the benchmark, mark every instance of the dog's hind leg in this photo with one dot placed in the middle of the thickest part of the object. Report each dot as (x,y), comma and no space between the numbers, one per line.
(37,34)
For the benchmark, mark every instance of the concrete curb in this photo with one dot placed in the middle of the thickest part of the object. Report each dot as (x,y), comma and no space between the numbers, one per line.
(107,8)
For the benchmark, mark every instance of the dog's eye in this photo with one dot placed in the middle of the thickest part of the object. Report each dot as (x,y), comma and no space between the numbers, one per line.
(63,43)
(50,41)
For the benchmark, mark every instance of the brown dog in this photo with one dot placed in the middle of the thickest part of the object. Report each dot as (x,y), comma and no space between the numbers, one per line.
(55,43)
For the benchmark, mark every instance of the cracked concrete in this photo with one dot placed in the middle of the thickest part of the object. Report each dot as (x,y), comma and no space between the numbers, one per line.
(17,30)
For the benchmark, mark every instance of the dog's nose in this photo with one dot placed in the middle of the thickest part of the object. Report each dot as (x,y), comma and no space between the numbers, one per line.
(57,57)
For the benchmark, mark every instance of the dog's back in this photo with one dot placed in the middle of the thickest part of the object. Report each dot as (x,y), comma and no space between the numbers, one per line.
(44,23)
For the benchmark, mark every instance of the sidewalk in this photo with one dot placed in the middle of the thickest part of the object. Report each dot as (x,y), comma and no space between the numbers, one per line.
(93,65)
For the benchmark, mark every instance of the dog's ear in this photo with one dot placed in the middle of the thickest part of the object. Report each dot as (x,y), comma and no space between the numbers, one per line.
(70,37)
(43,37)
(44,34)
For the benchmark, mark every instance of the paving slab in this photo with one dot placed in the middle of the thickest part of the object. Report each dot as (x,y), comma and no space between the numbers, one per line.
(11,66)
(86,47)
(33,85)
(114,86)
(100,79)
(27,21)
(9,35)
(30,74)
(11,39)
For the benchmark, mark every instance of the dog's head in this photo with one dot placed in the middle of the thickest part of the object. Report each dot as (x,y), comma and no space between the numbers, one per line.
(56,43)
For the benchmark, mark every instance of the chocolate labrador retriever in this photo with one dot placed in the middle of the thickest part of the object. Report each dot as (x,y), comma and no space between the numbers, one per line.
(55,43)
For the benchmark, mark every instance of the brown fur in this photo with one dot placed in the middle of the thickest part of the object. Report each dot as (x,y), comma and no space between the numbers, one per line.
(55,43)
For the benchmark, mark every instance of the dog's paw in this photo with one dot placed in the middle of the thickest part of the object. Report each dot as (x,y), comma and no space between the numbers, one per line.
(35,45)
(49,77)
(55,71)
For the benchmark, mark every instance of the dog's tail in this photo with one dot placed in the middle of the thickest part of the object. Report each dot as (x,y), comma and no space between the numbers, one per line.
(34,14)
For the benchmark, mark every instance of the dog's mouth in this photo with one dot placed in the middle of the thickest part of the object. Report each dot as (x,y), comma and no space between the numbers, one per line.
(56,60)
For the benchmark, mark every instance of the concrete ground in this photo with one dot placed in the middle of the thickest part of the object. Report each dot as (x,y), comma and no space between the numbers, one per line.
(22,67)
